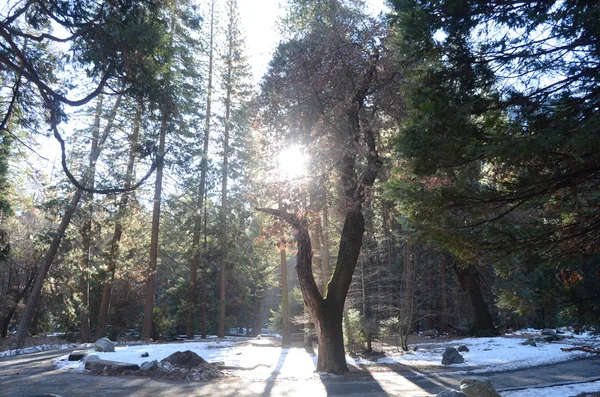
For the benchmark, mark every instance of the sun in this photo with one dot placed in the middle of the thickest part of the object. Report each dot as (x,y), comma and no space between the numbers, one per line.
(292,163)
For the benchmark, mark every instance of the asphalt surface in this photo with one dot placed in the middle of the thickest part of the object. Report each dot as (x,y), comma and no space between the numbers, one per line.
(33,374)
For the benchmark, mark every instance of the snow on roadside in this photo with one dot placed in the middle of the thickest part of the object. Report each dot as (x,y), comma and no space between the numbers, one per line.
(268,362)
(562,391)
(494,354)
(41,348)
(484,355)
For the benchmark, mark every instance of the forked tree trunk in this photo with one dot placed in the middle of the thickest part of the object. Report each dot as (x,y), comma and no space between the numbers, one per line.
(327,313)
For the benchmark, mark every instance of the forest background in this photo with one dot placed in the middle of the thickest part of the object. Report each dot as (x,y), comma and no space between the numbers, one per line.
(430,167)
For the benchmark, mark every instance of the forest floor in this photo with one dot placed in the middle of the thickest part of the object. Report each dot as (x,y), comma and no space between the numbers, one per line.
(544,370)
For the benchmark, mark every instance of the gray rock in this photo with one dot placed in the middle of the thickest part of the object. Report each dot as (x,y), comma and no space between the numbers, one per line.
(450,393)
(452,356)
(78,355)
(97,365)
(550,335)
(463,348)
(104,345)
(529,342)
(478,388)
(149,365)
(145,354)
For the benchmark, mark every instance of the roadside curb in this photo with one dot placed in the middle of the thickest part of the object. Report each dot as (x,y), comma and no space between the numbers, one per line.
(575,382)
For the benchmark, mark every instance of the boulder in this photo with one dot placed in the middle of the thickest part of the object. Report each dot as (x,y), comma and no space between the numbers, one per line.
(463,348)
(99,366)
(430,333)
(149,366)
(450,393)
(104,345)
(452,356)
(78,355)
(550,335)
(478,388)
(145,354)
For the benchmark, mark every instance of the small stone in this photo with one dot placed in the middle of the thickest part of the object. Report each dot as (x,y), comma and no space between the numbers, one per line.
(452,356)
(478,388)
(463,348)
(104,345)
(487,350)
(145,354)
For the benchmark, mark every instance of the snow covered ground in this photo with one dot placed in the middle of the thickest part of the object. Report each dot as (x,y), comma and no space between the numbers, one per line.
(484,355)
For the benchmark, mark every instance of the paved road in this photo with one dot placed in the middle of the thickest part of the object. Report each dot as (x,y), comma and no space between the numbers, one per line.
(33,375)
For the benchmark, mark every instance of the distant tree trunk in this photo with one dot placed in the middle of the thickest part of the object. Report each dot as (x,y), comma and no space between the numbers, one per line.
(86,233)
(483,324)
(114,244)
(408,298)
(147,328)
(317,232)
(19,294)
(44,268)
(442,324)
(285,300)
(223,212)
(325,248)
(430,296)
(191,293)
(257,315)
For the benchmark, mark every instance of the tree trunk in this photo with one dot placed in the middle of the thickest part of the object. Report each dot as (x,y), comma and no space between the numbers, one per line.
(325,249)
(147,329)
(114,244)
(442,324)
(86,233)
(20,294)
(317,232)
(44,268)
(257,315)
(483,325)
(285,300)
(191,293)
(429,322)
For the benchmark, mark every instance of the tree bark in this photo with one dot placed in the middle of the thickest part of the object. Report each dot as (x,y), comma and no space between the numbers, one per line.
(195,262)
(147,330)
(114,244)
(483,325)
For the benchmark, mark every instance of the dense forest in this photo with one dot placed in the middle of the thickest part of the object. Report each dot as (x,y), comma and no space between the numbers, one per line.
(433,168)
